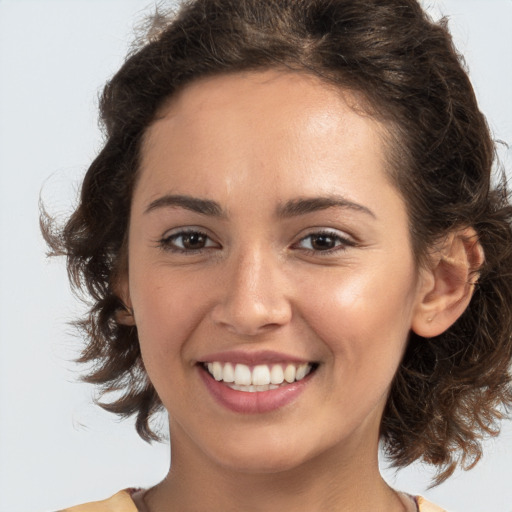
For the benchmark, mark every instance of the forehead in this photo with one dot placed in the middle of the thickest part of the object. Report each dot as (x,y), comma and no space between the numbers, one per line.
(279,86)
(269,127)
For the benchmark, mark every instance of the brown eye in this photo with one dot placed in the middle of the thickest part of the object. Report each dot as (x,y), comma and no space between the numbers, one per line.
(193,241)
(187,241)
(324,242)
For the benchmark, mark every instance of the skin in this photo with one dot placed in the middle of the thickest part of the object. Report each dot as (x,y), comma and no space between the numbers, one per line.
(252,143)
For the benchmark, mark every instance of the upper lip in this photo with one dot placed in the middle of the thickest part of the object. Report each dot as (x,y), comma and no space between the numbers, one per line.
(252,357)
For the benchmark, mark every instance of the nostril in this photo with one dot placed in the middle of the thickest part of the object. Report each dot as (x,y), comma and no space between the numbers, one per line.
(250,319)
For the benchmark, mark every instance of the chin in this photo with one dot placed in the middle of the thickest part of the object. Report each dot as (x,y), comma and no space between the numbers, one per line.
(271,454)
(262,463)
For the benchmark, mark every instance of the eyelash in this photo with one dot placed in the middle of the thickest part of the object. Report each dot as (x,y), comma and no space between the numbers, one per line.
(342,243)
(167,243)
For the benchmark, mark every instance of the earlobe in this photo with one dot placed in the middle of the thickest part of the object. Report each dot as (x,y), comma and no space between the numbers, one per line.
(124,314)
(448,284)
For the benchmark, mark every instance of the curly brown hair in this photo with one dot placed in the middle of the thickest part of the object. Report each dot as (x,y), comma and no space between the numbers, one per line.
(449,391)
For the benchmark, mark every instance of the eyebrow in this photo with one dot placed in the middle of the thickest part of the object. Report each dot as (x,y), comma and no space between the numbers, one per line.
(304,206)
(293,208)
(202,206)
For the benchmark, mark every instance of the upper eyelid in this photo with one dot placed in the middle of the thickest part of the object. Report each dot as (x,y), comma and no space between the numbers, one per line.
(184,230)
(343,243)
(343,235)
(165,242)
(308,232)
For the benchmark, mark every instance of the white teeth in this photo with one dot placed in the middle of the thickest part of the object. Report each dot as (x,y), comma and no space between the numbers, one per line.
(243,375)
(253,389)
(217,371)
(276,374)
(289,373)
(229,373)
(302,371)
(262,377)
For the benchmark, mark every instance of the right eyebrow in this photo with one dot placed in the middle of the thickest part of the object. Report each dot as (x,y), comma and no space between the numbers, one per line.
(202,206)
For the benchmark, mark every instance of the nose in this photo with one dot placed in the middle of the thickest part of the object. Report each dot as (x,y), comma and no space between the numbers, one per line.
(254,298)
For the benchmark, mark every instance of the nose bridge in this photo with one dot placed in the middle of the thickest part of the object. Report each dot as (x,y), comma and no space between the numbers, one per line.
(254,298)
(250,270)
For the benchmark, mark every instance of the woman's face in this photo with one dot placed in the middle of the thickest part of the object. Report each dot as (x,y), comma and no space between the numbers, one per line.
(266,245)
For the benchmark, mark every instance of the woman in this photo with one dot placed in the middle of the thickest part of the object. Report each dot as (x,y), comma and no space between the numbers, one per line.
(293,248)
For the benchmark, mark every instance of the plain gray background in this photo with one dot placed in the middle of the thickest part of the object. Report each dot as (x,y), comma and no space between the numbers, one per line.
(56,448)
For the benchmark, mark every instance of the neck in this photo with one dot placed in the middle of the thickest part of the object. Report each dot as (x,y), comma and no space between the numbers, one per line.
(346,479)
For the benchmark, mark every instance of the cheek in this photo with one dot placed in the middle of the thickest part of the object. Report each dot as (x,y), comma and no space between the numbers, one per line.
(167,310)
(364,318)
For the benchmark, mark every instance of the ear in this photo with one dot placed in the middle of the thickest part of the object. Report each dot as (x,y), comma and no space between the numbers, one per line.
(448,283)
(124,315)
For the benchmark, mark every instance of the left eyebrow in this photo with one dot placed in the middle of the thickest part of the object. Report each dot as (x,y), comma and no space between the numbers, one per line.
(303,206)
(202,206)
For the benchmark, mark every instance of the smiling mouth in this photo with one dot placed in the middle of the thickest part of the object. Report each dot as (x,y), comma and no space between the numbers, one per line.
(262,377)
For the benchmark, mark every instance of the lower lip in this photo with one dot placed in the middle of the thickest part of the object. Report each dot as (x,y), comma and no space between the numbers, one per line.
(253,403)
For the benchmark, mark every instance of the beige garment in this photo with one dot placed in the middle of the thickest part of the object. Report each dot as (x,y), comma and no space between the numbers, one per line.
(123,502)
(425,506)
(120,502)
